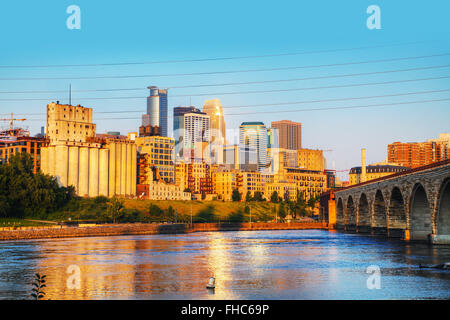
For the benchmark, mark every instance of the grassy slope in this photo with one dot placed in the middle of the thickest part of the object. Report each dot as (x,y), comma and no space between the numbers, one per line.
(15,222)
(222,209)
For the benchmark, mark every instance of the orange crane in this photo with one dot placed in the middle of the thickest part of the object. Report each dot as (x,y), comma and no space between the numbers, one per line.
(11,122)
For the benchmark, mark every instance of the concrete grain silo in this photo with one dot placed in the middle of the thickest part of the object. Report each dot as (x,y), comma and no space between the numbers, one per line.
(73,167)
(93,172)
(83,177)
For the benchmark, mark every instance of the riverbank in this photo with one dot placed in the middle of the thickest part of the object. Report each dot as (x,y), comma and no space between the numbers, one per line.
(26,233)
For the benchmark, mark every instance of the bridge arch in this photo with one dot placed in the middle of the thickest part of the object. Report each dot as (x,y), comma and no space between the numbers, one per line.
(379,218)
(397,214)
(340,213)
(363,220)
(420,214)
(350,217)
(443,213)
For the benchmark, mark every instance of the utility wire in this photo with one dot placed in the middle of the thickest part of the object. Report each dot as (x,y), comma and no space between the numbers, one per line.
(208,85)
(226,72)
(299,110)
(280,103)
(275,90)
(210,59)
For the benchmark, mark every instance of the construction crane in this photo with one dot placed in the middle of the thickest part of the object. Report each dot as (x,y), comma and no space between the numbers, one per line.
(11,122)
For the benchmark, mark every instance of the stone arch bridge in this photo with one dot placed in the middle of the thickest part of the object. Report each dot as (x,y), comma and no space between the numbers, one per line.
(413,205)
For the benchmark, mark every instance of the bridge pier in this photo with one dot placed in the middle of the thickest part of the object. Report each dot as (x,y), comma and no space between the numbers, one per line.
(396,233)
(350,228)
(340,227)
(440,239)
(379,231)
(364,229)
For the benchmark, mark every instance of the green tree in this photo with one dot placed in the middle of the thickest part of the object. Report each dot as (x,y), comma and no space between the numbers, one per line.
(115,209)
(258,196)
(236,195)
(205,215)
(274,197)
(281,211)
(312,201)
(248,196)
(170,214)
(155,212)
(237,216)
(25,194)
(286,197)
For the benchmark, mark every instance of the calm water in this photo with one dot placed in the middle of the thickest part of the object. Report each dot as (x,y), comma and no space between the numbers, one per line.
(303,264)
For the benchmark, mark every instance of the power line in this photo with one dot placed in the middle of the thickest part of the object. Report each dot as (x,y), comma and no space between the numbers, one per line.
(276,90)
(282,103)
(300,110)
(226,72)
(211,59)
(347,107)
(220,84)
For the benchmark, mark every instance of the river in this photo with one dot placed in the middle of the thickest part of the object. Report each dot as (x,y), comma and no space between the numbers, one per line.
(293,264)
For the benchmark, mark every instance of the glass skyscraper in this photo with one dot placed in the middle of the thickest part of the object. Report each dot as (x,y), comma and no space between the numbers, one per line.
(254,135)
(156,110)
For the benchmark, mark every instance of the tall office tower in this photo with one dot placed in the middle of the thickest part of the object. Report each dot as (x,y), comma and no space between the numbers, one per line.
(289,134)
(254,134)
(156,115)
(213,109)
(272,138)
(163,128)
(191,133)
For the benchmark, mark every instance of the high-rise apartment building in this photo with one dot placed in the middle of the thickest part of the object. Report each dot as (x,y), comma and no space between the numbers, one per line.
(254,135)
(311,159)
(416,154)
(156,115)
(289,134)
(156,152)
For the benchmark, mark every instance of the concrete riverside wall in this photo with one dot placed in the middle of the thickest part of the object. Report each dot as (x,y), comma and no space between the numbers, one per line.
(21,233)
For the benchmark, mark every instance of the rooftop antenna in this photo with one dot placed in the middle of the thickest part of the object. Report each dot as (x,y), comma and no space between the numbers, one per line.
(70,94)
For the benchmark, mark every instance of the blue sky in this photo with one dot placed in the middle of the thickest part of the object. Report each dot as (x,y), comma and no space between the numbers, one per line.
(35,33)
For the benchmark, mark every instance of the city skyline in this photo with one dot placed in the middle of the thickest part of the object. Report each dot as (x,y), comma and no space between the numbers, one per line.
(398,45)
